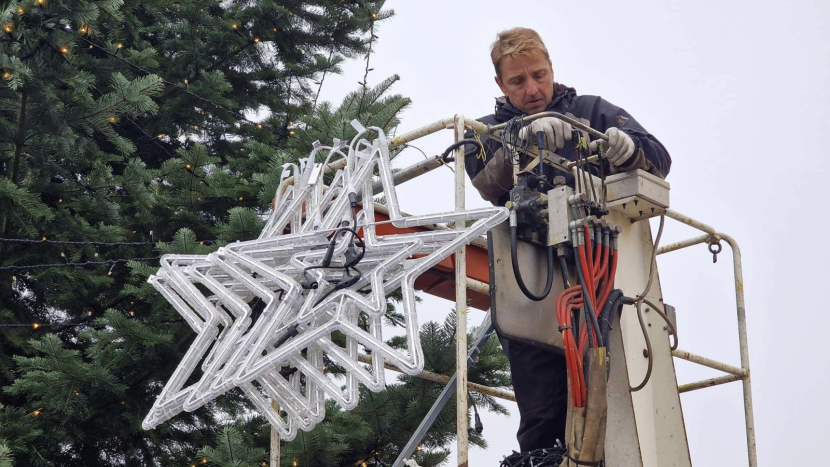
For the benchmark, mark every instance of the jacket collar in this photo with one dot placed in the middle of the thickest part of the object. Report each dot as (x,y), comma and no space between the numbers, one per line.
(505,110)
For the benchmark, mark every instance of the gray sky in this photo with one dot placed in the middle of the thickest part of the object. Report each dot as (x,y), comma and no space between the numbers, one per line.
(739,94)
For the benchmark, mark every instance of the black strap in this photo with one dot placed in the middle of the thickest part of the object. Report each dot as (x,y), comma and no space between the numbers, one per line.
(582,462)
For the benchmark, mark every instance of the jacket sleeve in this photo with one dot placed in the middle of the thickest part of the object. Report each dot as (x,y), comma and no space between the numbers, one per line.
(649,154)
(490,175)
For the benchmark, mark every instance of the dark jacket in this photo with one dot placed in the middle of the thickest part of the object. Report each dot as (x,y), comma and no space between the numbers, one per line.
(493,177)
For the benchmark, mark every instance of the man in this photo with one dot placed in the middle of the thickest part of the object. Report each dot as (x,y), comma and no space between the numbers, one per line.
(524,73)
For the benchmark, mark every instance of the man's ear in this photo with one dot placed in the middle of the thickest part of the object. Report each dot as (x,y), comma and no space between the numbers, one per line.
(501,85)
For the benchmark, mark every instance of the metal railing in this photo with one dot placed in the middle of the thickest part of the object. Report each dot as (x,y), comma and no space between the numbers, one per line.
(713,237)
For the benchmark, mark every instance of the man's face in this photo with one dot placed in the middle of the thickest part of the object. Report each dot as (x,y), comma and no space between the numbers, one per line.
(527,81)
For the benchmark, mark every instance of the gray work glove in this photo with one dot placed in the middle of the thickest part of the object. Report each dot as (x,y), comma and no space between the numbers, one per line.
(556,132)
(619,147)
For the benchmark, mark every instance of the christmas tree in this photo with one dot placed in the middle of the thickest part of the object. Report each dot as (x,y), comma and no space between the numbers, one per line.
(132,129)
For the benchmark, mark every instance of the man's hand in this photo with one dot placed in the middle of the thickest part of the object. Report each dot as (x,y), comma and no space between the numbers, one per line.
(620,146)
(556,132)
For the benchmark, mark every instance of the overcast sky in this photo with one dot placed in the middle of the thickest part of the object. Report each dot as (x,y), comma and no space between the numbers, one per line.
(739,94)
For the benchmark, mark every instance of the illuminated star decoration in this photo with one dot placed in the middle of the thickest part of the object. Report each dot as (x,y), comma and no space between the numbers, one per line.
(313,275)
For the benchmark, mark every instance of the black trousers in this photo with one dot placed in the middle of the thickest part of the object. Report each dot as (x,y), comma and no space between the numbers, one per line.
(541,388)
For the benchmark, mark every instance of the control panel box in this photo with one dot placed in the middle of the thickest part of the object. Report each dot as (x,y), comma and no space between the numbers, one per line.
(638,194)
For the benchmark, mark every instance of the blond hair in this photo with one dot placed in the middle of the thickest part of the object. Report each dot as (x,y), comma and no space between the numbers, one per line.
(514,42)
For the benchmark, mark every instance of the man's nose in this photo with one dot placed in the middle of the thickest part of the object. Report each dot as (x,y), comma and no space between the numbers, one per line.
(531,89)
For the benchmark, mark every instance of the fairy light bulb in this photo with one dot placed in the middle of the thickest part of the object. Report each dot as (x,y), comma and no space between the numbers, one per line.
(7,75)
(64,50)
(41,2)
(111,119)
(8,28)
(20,11)
(234,26)
(35,325)
(256,40)
(83,30)
(120,45)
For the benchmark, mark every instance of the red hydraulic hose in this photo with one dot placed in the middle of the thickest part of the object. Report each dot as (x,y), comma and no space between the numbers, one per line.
(571,355)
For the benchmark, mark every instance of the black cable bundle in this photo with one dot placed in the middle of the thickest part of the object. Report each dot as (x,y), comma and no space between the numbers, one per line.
(548,457)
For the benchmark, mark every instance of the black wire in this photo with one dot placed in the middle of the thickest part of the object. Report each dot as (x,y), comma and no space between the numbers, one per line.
(52,325)
(89,243)
(88,263)
(80,243)
(445,155)
(511,142)
(590,316)
(566,275)
(514,258)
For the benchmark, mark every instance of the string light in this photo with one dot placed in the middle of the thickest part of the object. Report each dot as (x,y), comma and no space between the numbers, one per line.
(256,40)
(35,325)
(7,75)
(64,49)
(41,2)
(374,15)
(8,28)
(111,119)
(234,26)
(20,11)
(259,126)
(120,45)
(83,30)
